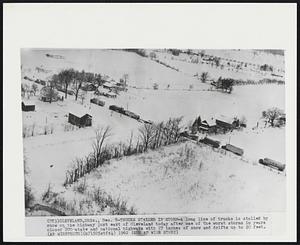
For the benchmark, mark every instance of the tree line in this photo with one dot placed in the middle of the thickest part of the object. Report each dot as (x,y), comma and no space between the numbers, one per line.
(150,137)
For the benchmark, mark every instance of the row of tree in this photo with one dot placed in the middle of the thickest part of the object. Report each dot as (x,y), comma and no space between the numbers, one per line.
(75,79)
(71,81)
(150,136)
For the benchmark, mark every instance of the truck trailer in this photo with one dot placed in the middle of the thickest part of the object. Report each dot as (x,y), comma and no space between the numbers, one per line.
(236,150)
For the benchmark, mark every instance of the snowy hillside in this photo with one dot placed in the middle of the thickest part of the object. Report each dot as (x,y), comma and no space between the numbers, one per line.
(185,178)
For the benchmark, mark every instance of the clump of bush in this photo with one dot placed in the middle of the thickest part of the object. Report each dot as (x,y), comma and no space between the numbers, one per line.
(95,201)
(185,158)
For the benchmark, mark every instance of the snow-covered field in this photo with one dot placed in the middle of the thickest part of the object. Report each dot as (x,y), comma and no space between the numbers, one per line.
(166,181)
(229,59)
(132,177)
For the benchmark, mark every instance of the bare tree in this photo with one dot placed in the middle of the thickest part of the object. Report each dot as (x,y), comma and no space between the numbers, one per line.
(101,135)
(152,55)
(82,96)
(65,78)
(34,88)
(78,80)
(204,77)
(155,86)
(158,135)
(129,148)
(25,89)
(146,135)
(271,115)
(125,79)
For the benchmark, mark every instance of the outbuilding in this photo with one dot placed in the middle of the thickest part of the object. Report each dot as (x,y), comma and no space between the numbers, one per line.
(80,118)
(27,107)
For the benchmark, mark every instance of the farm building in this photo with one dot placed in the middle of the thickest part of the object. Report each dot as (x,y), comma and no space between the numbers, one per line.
(80,118)
(89,87)
(108,85)
(27,107)
(101,91)
(105,92)
(226,123)
(208,126)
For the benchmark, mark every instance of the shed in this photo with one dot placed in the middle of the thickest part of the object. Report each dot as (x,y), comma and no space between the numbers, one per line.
(80,118)
(27,107)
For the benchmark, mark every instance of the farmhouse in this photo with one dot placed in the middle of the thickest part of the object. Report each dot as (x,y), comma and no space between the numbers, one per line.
(80,118)
(208,126)
(28,107)
(226,123)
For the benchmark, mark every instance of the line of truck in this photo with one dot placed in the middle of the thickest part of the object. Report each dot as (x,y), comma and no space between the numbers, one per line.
(234,149)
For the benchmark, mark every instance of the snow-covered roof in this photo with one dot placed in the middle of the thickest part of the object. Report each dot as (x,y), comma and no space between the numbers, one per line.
(27,103)
(102,90)
(107,84)
(225,118)
(79,111)
(111,93)
(210,121)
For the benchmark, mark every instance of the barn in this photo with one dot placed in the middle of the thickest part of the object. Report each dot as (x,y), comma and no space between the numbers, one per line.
(80,118)
(226,123)
(27,107)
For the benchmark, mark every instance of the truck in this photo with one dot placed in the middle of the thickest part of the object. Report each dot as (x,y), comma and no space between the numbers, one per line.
(131,114)
(272,163)
(117,109)
(211,142)
(97,102)
(188,135)
(236,150)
